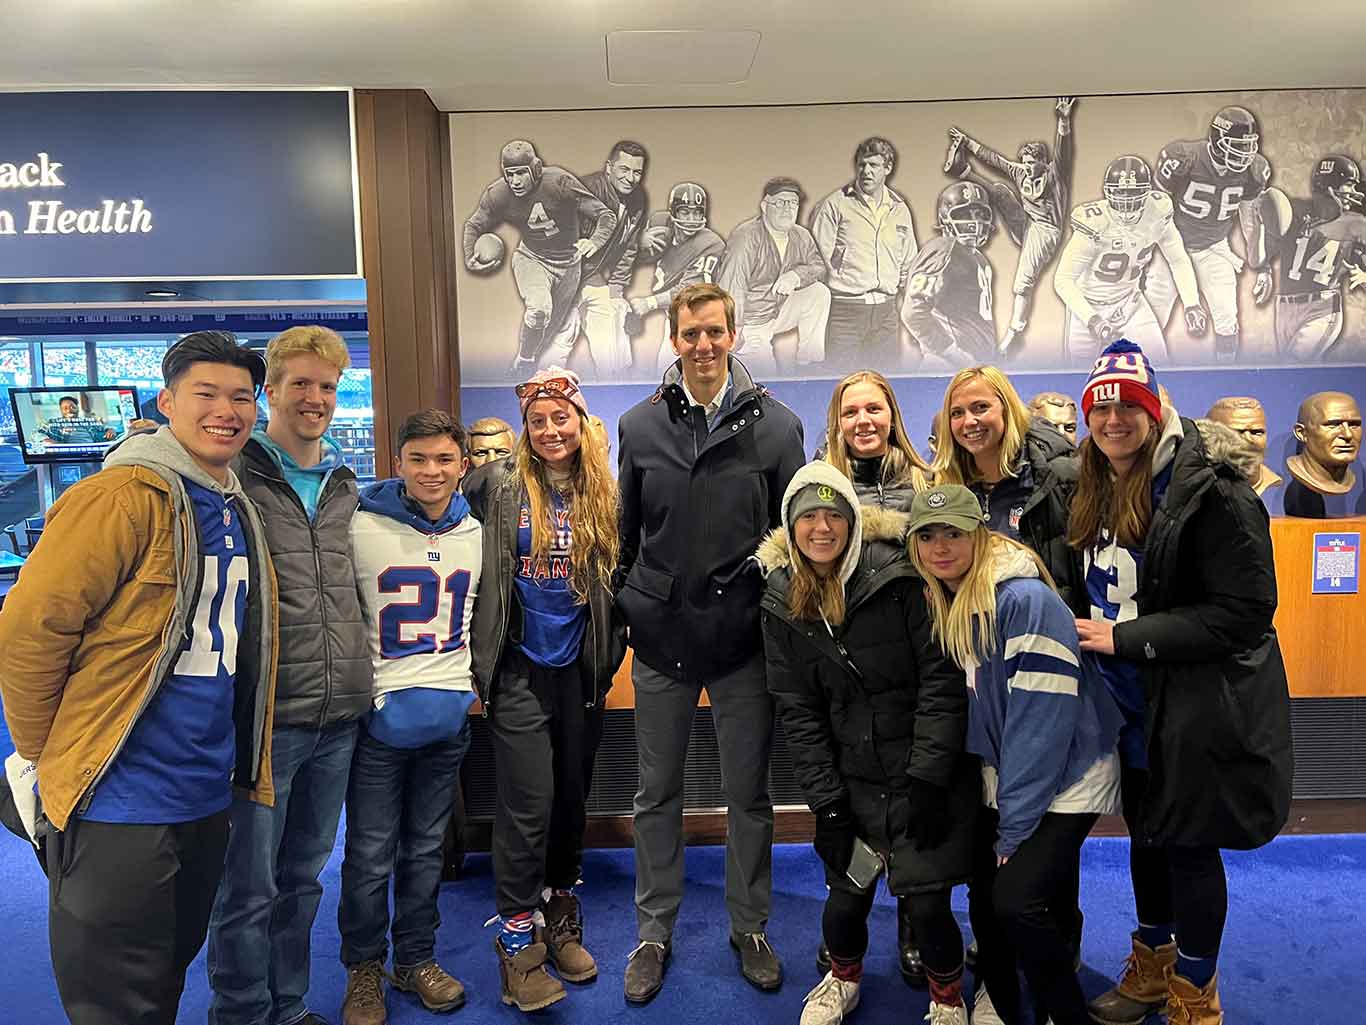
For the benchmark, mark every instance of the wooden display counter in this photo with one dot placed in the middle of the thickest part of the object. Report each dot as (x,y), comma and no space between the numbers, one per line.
(1323,636)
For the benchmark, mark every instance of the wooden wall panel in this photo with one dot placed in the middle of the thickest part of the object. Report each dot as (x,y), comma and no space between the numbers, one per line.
(407,230)
(1323,636)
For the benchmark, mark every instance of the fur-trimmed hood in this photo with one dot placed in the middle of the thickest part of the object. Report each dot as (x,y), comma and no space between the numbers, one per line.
(1225,445)
(871,523)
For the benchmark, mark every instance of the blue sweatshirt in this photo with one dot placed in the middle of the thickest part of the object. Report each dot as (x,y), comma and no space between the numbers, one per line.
(1039,716)
(307,482)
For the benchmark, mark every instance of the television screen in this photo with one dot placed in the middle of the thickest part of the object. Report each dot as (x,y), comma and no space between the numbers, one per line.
(71,425)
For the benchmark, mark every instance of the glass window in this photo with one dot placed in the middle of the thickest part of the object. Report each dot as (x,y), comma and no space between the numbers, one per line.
(19,496)
(353,426)
(64,362)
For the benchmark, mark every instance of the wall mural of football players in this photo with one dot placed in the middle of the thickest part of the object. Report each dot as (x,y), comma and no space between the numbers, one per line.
(867,237)
(1032,206)
(685,252)
(776,275)
(600,313)
(1210,180)
(948,309)
(546,205)
(1100,274)
(1320,243)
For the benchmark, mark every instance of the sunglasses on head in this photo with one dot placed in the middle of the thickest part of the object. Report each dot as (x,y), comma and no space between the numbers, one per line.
(553,386)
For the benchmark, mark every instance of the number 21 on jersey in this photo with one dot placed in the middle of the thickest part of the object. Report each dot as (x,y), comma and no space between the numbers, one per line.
(437,603)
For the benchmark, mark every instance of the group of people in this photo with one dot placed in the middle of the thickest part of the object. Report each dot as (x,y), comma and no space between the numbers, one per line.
(220,640)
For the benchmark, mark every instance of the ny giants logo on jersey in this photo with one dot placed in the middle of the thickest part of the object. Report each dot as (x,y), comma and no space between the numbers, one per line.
(560,539)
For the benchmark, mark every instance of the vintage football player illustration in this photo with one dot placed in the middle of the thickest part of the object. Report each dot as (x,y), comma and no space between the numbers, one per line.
(1319,244)
(1100,274)
(775,273)
(866,235)
(1210,180)
(546,205)
(948,305)
(1031,205)
(685,252)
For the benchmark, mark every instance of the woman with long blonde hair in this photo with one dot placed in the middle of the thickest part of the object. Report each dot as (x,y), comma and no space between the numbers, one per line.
(866,440)
(1182,593)
(1045,732)
(1020,468)
(874,714)
(545,644)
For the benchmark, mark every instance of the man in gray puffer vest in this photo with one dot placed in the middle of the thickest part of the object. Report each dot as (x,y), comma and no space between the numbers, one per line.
(258,957)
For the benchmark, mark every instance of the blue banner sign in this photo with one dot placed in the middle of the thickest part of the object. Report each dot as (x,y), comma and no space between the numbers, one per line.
(185,185)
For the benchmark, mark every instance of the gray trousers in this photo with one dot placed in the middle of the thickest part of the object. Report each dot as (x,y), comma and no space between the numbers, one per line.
(742,711)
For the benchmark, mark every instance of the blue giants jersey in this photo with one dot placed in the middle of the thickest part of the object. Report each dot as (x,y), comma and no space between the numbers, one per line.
(177,763)
(553,622)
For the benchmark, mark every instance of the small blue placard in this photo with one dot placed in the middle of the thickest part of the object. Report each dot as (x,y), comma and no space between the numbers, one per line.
(1337,558)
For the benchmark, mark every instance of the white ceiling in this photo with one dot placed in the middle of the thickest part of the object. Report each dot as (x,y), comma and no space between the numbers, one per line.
(551,54)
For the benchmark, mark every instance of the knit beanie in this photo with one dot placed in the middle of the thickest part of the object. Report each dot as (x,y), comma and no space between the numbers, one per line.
(1122,374)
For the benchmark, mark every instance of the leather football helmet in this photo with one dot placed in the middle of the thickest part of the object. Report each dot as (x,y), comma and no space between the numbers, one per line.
(1233,138)
(1127,185)
(688,208)
(964,213)
(520,153)
(1340,177)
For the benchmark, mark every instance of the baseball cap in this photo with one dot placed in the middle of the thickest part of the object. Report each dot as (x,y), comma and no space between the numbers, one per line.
(819,496)
(776,185)
(952,504)
(1123,374)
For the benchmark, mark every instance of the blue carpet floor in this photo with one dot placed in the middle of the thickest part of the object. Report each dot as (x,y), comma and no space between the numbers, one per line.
(1292,952)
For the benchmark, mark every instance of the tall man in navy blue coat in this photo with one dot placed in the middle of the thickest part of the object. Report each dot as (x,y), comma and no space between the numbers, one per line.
(703,465)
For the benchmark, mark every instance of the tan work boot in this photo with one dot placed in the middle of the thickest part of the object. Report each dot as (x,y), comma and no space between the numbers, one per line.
(526,983)
(1187,1005)
(435,987)
(563,935)
(1142,988)
(364,1000)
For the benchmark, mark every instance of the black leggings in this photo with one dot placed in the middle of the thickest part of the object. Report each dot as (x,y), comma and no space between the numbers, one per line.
(1182,885)
(1022,915)
(844,926)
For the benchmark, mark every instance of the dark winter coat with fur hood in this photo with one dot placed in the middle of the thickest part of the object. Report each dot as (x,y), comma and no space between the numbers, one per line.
(870,703)
(1218,707)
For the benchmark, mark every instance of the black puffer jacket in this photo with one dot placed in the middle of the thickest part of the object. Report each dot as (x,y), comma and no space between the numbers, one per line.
(496,494)
(325,675)
(695,503)
(872,487)
(1043,524)
(1218,709)
(877,701)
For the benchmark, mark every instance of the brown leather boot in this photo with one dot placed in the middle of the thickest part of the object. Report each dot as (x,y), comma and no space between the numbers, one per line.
(1187,1005)
(1142,988)
(364,1000)
(526,983)
(435,987)
(563,936)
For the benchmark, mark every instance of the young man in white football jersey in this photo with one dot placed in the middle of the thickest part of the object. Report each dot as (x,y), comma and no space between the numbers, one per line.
(1102,268)
(418,554)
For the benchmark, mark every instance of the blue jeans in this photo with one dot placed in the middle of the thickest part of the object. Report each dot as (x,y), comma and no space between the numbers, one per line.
(397,806)
(270,890)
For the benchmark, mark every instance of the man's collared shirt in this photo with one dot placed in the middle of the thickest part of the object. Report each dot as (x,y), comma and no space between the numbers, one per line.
(868,248)
(718,405)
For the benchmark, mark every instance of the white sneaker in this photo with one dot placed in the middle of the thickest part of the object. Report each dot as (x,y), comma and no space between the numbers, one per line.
(830,1001)
(946,1014)
(984,1011)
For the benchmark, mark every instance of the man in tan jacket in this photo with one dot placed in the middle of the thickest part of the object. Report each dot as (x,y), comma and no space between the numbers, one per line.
(137,669)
